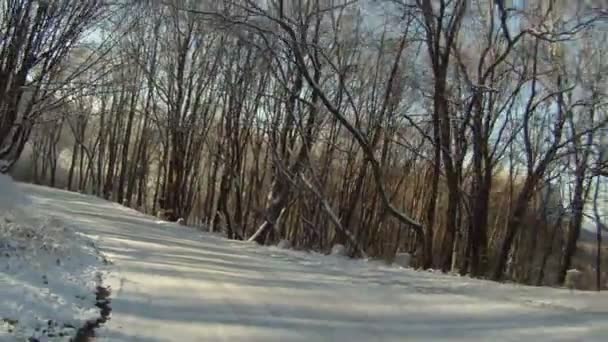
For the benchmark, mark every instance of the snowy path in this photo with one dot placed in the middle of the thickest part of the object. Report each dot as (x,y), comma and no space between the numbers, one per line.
(173,284)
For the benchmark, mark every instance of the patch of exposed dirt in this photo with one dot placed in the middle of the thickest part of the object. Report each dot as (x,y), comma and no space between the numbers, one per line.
(87,332)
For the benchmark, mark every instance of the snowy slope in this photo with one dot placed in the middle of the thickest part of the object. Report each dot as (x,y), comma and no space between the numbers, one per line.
(170,283)
(48,272)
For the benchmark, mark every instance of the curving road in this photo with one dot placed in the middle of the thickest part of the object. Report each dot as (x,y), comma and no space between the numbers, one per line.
(172,283)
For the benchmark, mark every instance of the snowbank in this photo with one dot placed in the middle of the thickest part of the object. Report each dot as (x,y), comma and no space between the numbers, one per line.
(49,272)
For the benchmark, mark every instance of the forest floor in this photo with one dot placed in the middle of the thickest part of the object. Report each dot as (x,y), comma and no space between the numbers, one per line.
(173,283)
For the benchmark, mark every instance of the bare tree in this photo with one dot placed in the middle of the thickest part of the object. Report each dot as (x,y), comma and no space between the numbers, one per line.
(32,71)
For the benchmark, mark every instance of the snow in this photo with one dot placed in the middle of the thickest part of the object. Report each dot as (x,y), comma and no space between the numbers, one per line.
(403,259)
(171,283)
(48,272)
(573,278)
(284,244)
(338,250)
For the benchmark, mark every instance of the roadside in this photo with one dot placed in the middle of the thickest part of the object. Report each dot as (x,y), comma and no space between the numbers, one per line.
(49,272)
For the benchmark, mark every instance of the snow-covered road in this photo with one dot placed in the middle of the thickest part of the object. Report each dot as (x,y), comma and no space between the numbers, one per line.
(171,283)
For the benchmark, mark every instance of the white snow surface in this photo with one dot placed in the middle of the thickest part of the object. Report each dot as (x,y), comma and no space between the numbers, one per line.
(338,250)
(48,272)
(172,283)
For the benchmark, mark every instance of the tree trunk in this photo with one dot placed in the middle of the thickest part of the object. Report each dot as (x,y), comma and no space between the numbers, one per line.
(124,164)
(574,229)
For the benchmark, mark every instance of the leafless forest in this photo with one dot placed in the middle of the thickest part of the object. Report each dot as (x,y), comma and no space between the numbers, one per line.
(470,133)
